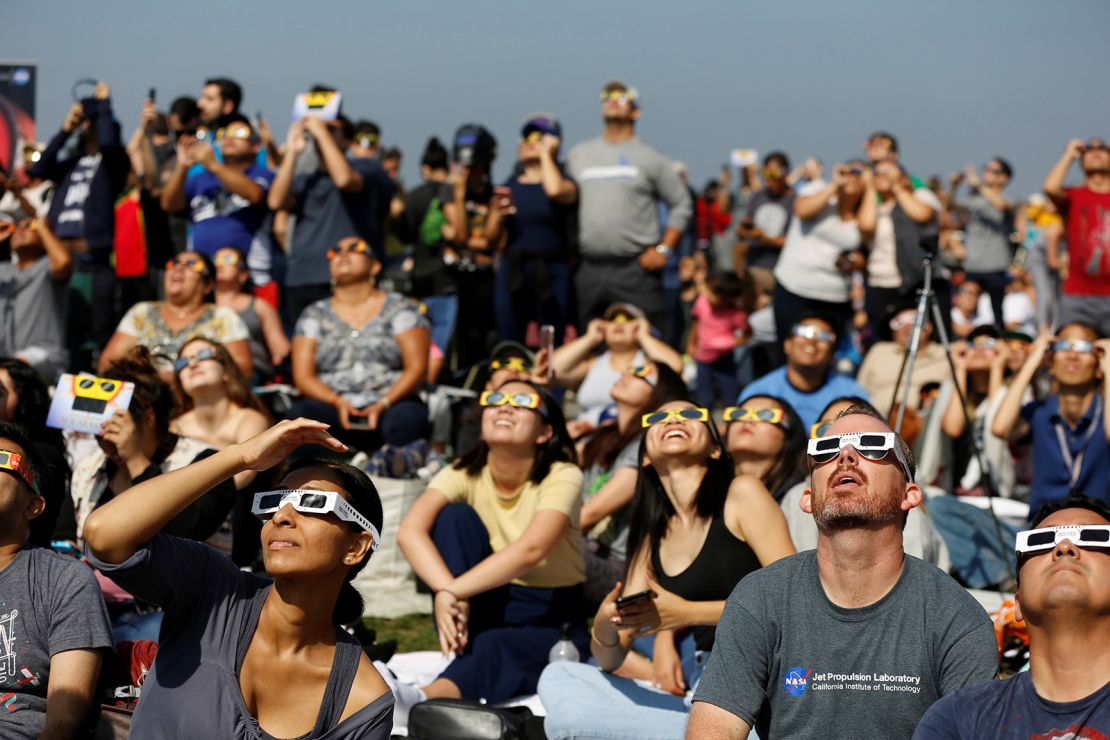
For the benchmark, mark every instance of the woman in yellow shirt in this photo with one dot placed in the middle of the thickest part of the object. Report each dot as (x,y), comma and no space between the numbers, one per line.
(496,536)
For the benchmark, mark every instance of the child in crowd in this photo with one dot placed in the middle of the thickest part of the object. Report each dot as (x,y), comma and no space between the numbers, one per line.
(719,323)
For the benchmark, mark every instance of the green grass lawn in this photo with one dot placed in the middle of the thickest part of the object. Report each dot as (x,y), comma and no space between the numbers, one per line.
(412,632)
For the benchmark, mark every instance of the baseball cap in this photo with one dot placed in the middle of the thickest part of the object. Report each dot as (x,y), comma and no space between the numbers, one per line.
(545,123)
(625,308)
(508,349)
(986,330)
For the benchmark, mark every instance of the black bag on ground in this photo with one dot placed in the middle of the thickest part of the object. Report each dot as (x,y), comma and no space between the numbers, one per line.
(457,719)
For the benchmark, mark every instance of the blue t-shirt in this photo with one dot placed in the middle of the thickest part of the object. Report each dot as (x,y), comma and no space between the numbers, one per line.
(1012,708)
(221,218)
(539,224)
(808,405)
(1052,469)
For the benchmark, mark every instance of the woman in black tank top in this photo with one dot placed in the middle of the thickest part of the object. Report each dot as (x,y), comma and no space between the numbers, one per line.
(695,532)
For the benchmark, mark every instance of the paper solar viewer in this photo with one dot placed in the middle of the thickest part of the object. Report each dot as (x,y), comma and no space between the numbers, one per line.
(323,105)
(83,402)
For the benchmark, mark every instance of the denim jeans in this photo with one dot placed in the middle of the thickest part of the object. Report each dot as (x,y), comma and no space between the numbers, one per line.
(442,312)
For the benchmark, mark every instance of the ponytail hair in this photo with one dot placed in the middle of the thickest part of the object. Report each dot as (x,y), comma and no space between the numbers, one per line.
(360,493)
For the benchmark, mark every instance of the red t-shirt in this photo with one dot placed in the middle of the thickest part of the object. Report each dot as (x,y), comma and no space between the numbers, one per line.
(717,327)
(1088,242)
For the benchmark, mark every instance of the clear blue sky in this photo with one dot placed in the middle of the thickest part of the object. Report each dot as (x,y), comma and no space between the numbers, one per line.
(955,80)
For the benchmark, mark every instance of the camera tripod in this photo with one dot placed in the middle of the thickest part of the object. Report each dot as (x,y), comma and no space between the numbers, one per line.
(927,302)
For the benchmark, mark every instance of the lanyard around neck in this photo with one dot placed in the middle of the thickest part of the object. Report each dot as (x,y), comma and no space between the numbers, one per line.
(1075,465)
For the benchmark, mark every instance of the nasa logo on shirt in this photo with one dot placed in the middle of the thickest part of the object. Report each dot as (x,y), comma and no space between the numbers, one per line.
(796,680)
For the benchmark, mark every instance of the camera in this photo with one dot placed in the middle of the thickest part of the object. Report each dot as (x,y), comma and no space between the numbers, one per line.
(474,146)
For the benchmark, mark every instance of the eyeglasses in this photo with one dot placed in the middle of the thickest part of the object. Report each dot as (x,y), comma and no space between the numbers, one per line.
(819,429)
(358,247)
(14,462)
(809,331)
(871,445)
(766,416)
(684,414)
(516,400)
(226,258)
(187,263)
(1046,538)
(199,356)
(267,503)
(617,96)
(643,372)
(1079,346)
(512,363)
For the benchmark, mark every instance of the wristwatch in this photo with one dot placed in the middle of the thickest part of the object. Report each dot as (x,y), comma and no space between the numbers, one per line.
(663,249)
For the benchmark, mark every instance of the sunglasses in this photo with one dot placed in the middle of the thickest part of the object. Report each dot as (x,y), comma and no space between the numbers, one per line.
(619,96)
(809,331)
(622,318)
(366,140)
(1080,346)
(766,416)
(516,400)
(14,462)
(871,445)
(512,363)
(772,174)
(267,503)
(685,414)
(358,247)
(199,356)
(188,263)
(1046,538)
(534,137)
(984,343)
(226,258)
(643,372)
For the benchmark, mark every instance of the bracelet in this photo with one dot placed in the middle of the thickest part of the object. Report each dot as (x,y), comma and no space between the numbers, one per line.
(385,402)
(593,636)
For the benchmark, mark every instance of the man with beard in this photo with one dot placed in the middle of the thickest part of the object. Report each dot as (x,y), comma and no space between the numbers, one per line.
(855,638)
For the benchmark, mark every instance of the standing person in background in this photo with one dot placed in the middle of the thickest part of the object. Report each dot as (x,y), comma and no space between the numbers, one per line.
(466,206)
(32,298)
(822,248)
(82,212)
(367,140)
(1086,291)
(226,195)
(620,178)
(718,325)
(219,97)
(762,230)
(343,197)
(1042,229)
(422,226)
(989,250)
(534,280)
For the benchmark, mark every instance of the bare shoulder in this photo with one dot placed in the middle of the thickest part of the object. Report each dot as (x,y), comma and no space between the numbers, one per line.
(747,498)
(368,686)
(251,422)
(185,425)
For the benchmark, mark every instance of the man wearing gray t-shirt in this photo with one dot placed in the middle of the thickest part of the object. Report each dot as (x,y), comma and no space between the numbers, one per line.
(620,182)
(990,222)
(855,639)
(53,623)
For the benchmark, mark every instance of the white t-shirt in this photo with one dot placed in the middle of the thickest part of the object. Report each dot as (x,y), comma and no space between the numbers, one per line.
(1018,308)
(882,263)
(807,266)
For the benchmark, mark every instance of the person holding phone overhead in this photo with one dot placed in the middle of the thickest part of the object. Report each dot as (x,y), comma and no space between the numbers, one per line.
(695,532)
(528,221)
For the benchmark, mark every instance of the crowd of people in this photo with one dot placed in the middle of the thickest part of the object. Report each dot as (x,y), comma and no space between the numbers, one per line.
(743,448)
